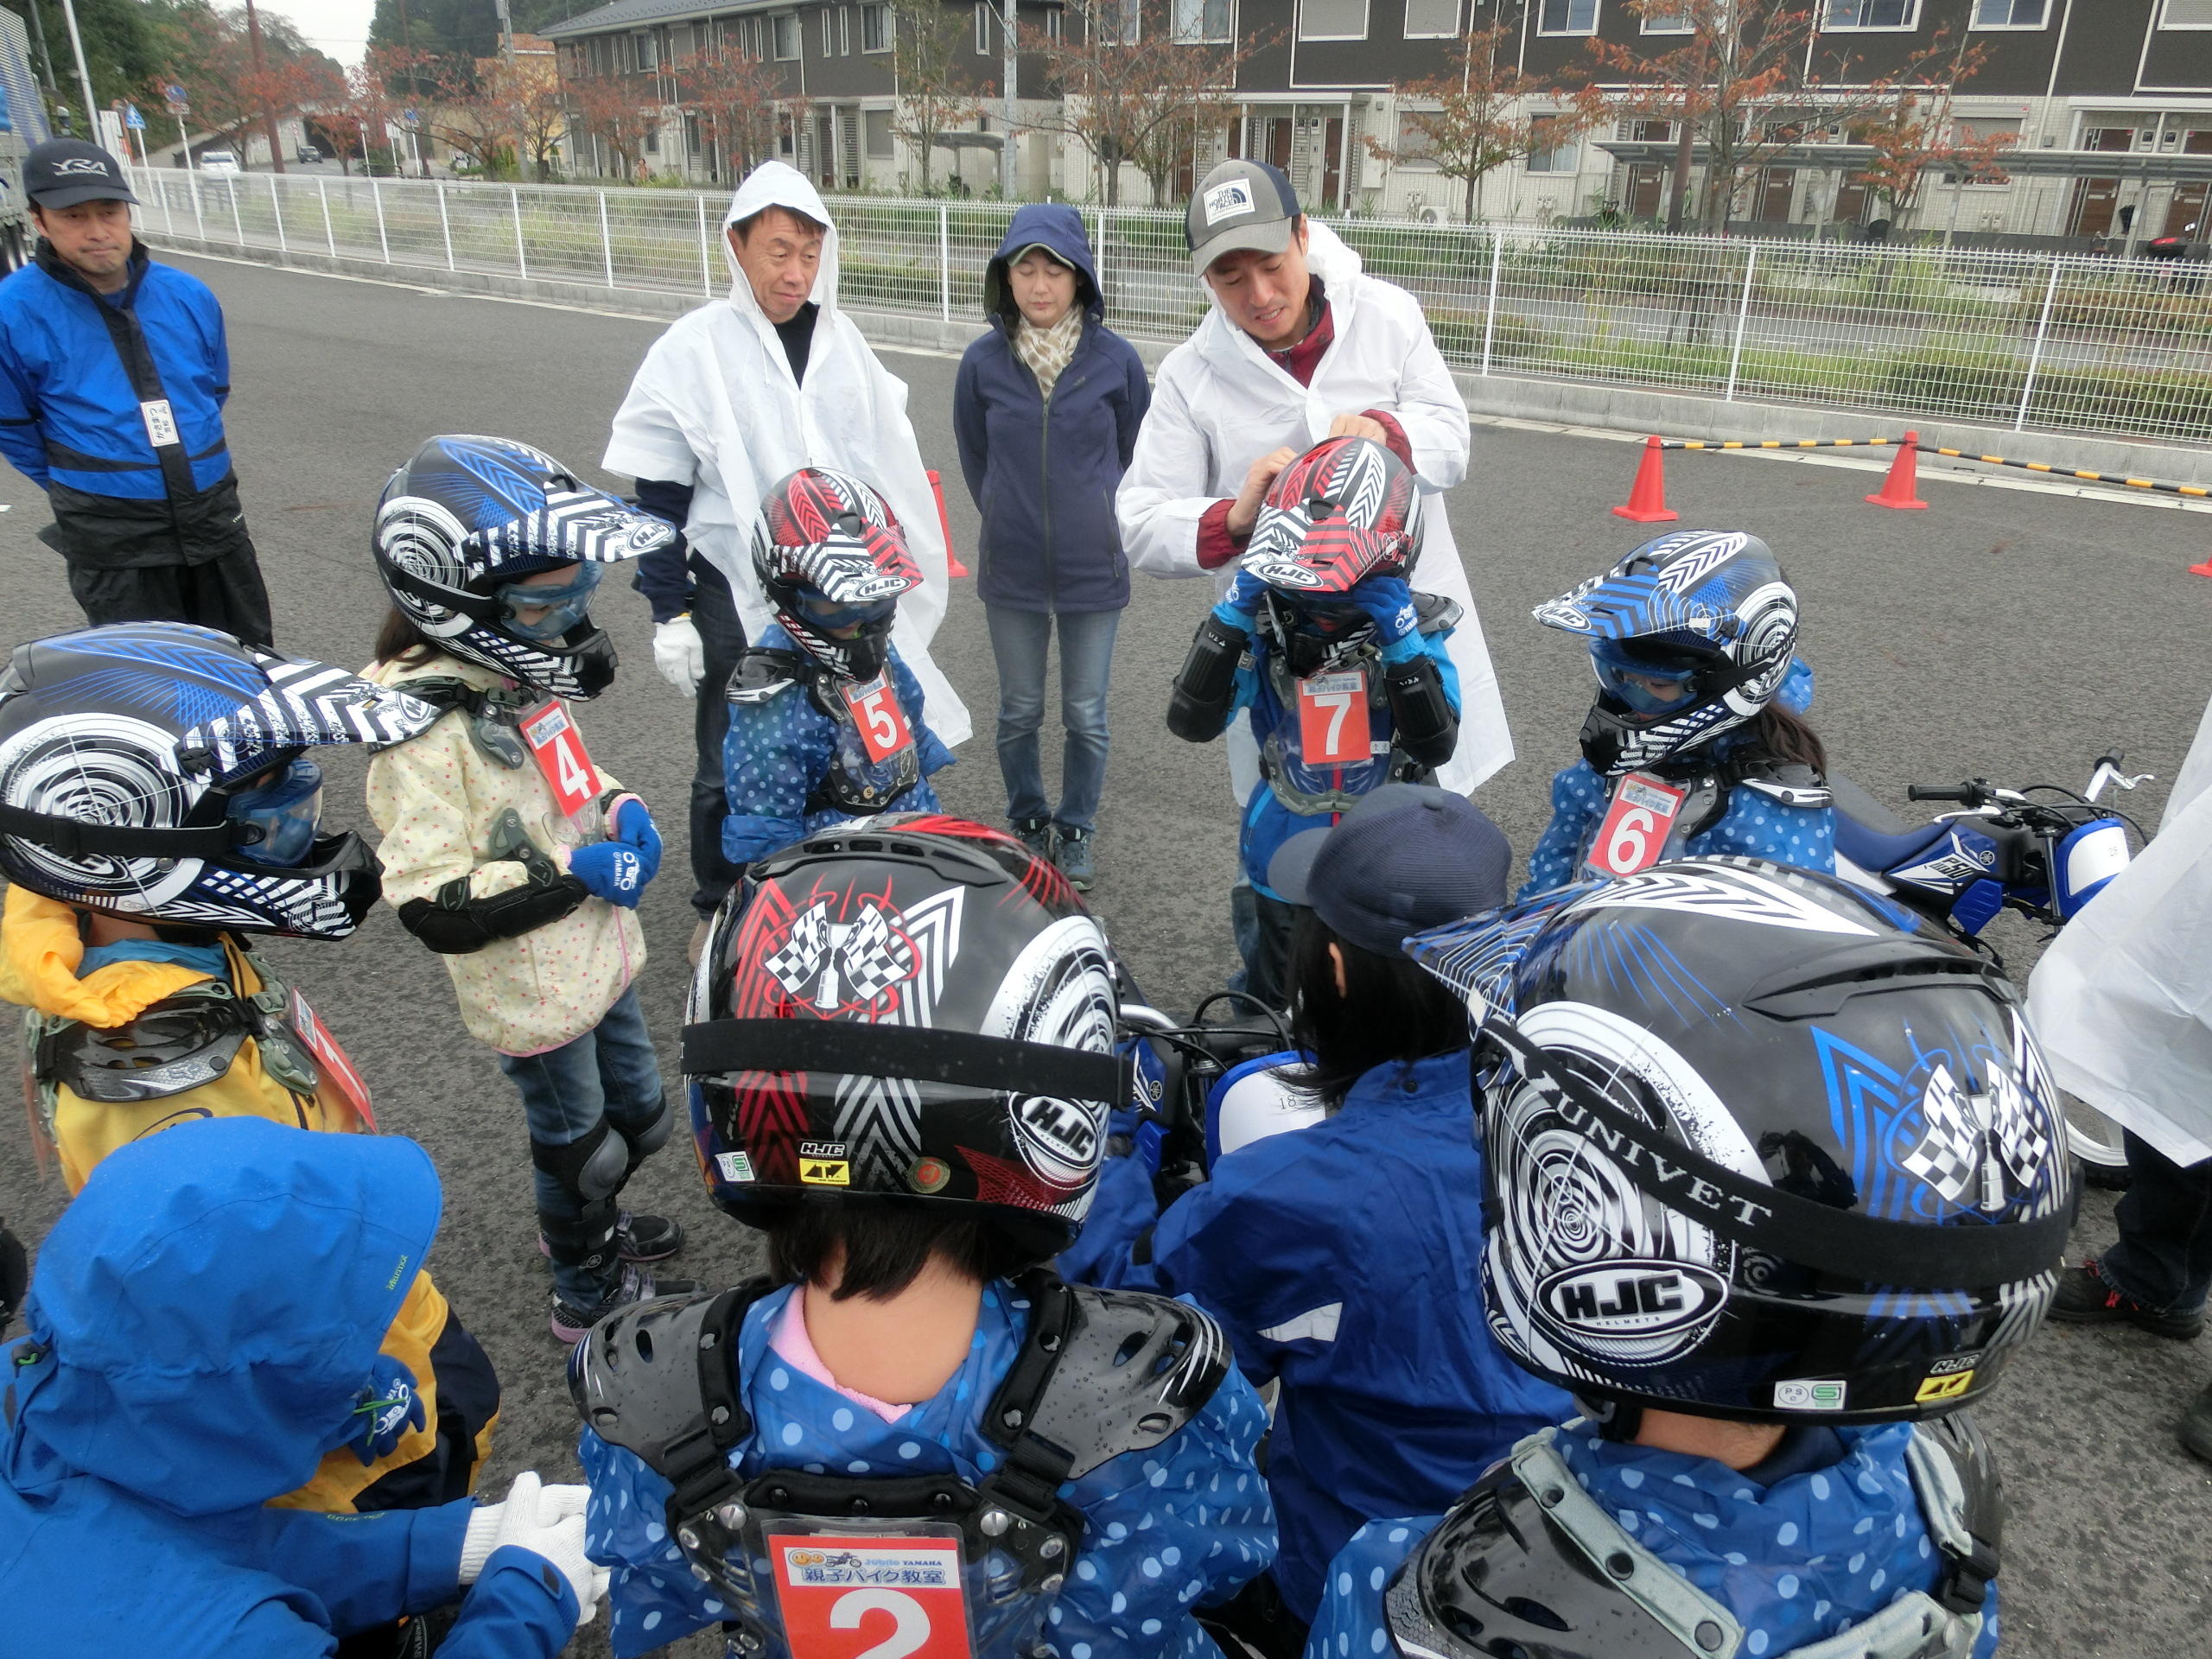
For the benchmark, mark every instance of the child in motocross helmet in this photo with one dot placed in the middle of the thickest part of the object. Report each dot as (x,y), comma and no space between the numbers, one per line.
(159,808)
(825,721)
(505,850)
(203,1326)
(1777,1185)
(1335,1255)
(1695,743)
(901,1058)
(1344,669)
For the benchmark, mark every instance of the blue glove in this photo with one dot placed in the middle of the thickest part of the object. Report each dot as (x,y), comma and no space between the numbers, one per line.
(1397,624)
(634,827)
(611,871)
(1240,606)
(389,1406)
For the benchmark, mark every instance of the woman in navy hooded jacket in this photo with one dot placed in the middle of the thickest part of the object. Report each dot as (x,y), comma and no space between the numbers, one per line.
(1047,410)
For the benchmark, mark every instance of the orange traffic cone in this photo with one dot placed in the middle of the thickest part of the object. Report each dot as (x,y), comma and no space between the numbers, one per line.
(1647,500)
(1898,488)
(953,568)
(2203,570)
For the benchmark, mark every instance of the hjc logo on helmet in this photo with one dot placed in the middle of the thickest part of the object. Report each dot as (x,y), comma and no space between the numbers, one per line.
(1632,1298)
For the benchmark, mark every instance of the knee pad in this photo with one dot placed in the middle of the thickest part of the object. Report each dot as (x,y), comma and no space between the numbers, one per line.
(591,1166)
(649,1139)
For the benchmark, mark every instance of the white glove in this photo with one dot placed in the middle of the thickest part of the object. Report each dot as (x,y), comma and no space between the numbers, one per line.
(547,1521)
(680,654)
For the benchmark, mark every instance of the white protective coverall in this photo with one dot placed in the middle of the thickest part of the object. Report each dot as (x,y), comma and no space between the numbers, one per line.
(1219,403)
(2122,1000)
(713,405)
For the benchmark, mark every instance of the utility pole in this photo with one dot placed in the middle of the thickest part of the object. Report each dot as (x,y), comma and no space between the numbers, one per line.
(261,74)
(38,34)
(83,75)
(1006,13)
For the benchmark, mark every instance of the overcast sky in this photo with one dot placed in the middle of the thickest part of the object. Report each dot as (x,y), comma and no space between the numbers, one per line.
(338,27)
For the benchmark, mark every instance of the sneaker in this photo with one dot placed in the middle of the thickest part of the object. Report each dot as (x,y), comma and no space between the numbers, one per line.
(571,1323)
(1035,834)
(2085,1299)
(639,1237)
(1071,852)
(2197,1426)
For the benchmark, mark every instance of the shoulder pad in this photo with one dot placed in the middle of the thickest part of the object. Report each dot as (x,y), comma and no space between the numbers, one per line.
(179,1044)
(1528,1561)
(1436,612)
(1790,783)
(1962,1500)
(760,674)
(1107,1372)
(659,1379)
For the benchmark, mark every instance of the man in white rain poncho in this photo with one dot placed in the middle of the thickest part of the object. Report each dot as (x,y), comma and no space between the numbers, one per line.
(1301,345)
(735,395)
(2122,1003)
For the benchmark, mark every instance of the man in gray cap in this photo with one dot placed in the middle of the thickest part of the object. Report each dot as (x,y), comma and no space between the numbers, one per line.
(113,374)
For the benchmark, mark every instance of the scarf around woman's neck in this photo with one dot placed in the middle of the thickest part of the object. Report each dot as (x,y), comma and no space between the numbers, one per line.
(1048,350)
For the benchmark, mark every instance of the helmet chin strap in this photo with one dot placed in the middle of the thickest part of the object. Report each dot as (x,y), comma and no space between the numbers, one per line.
(1617,1420)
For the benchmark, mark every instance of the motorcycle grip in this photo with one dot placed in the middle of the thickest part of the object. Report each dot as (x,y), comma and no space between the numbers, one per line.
(1962,792)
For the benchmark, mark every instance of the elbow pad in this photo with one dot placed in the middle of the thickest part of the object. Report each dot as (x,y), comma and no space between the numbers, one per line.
(1198,709)
(1428,729)
(455,924)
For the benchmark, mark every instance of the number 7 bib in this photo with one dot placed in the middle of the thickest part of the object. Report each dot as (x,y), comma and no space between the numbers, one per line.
(1332,725)
(1635,831)
(870,1597)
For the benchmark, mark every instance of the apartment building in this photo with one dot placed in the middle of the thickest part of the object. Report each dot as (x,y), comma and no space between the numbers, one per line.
(2108,103)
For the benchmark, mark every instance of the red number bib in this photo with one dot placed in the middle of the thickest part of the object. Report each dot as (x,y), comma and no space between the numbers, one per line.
(1332,725)
(873,1596)
(558,747)
(338,1075)
(1635,831)
(882,722)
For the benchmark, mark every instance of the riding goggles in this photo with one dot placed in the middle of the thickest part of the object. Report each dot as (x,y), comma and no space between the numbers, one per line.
(1651,679)
(280,814)
(819,612)
(557,609)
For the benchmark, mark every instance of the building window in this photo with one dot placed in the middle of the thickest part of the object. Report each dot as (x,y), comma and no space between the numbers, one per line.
(1431,19)
(982,28)
(1974,128)
(844,31)
(1568,17)
(1559,155)
(1669,22)
(1122,22)
(1416,149)
(785,25)
(829,36)
(1200,20)
(1647,132)
(1053,23)
(1872,14)
(1332,19)
(2011,14)
(643,58)
(875,30)
(2187,14)
(875,127)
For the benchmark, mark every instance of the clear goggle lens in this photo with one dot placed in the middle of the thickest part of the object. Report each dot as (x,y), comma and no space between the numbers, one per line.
(285,809)
(545,611)
(1649,681)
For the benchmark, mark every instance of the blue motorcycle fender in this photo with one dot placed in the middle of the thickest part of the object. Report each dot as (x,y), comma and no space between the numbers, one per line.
(2086,860)
(1978,906)
(1967,858)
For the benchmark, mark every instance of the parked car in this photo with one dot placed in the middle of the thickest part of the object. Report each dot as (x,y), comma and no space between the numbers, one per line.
(308,155)
(221,162)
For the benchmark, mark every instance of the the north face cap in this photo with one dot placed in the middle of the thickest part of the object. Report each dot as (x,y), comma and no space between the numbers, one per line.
(1241,204)
(62,172)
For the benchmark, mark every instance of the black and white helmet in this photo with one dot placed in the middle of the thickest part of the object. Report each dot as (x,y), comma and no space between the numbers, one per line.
(159,772)
(1759,1145)
(469,516)
(1690,635)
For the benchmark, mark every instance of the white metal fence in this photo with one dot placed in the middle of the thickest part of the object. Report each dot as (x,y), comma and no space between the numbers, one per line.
(2067,341)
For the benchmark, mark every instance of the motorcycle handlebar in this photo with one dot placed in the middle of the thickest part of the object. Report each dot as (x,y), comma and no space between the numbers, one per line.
(1967,794)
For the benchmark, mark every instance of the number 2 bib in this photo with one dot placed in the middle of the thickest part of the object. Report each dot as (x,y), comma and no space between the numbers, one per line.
(871,1596)
(1333,724)
(558,747)
(1634,835)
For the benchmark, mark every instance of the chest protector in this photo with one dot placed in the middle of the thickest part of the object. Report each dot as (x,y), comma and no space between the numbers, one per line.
(1100,1374)
(1527,1562)
(186,1041)
(1303,783)
(492,716)
(854,783)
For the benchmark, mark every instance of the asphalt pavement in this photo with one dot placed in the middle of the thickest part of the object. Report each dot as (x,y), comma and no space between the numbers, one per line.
(2006,634)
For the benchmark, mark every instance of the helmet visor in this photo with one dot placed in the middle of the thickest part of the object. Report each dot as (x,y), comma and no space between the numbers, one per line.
(1651,680)
(544,612)
(279,814)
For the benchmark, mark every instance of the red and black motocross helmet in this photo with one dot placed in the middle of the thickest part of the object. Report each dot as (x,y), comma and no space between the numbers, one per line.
(829,553)
(1346,510)
(910,1007)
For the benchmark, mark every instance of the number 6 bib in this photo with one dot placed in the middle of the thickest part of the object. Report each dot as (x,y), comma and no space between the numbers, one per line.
(1634,835)
(871,1596)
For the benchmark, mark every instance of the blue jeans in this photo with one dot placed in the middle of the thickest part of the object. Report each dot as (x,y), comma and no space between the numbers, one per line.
(714,613)
(610,1071)
(1019,641)
(2163,1258)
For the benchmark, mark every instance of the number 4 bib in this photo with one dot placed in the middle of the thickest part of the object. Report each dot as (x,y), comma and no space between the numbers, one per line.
(1634,834)
(558,747)
(871,1596)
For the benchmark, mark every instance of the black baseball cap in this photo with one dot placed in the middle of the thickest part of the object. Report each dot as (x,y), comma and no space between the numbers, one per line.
(1406,858)
(62,172)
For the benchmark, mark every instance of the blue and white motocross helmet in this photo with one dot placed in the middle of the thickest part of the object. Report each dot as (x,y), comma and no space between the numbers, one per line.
(1691,635)
(462,523)
(1758,1145)
(159,772)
